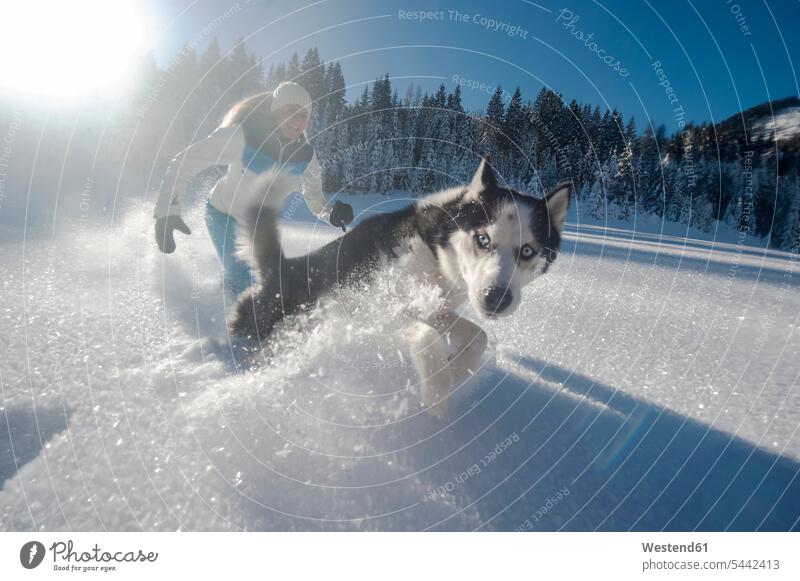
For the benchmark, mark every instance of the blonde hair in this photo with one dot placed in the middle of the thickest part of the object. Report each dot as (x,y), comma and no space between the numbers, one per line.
(254,115)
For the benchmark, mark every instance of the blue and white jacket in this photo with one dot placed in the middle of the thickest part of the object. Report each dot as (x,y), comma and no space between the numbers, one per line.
(238,190)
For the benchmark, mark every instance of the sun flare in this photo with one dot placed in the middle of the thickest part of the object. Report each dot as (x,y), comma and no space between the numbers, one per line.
(63,49)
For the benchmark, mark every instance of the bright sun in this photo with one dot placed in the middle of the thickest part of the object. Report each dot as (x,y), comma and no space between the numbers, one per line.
(66,48)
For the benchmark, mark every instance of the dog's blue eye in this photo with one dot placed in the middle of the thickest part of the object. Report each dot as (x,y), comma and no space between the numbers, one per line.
(483,240)
(527,252)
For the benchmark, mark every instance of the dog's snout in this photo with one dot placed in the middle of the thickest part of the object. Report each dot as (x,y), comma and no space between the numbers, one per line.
(496,299)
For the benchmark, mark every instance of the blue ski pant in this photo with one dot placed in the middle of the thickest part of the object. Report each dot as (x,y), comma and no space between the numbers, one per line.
(236,275)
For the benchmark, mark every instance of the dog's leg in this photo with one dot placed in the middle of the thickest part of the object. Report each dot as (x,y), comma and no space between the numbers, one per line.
(468,339)
(430,360)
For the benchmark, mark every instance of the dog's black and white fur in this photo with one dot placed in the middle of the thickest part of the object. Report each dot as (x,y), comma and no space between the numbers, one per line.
(481,243)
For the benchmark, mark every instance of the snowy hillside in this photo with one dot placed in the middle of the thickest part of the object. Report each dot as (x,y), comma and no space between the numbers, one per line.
(784,125)
(649,381)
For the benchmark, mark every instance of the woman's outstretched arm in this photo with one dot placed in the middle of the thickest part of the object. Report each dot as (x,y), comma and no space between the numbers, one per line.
(222,147)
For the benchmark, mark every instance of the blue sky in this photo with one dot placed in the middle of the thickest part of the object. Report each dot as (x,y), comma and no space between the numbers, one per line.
(717,56)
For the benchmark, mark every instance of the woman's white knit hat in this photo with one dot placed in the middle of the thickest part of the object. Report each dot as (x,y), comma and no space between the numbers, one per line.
(288,93)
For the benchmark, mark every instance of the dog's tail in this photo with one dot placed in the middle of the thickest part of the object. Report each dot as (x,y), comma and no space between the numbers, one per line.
(258,239)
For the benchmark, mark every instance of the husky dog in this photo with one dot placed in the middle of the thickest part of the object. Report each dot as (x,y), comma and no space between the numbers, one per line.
(481,244)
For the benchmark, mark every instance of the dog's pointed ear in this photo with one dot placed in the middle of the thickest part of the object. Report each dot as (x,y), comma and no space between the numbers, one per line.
(484,178)
(557,202)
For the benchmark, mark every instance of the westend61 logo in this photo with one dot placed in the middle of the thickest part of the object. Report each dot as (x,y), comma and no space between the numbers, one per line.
(95,559)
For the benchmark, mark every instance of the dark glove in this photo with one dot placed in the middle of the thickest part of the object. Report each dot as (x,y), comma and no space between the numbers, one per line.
(341,215)
(164,232)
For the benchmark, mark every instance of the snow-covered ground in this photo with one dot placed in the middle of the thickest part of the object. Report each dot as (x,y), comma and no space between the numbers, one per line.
(649,381)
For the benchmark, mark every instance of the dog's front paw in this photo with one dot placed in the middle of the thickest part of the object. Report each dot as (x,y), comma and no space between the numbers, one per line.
(430,362)
(463,366)
(434,392)
(466,362)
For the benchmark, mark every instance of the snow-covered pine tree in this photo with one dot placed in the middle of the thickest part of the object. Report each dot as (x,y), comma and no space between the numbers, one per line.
(177,119)
(492,128)
(345,159)
(514,127)
(335,90)
(280,75)
(766,191)
(647,170)
(293,69)
(705,194)
(791,235)
(388,162)
(786,211)
(454,100)
(596,205)
(312,77)
(622,185)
